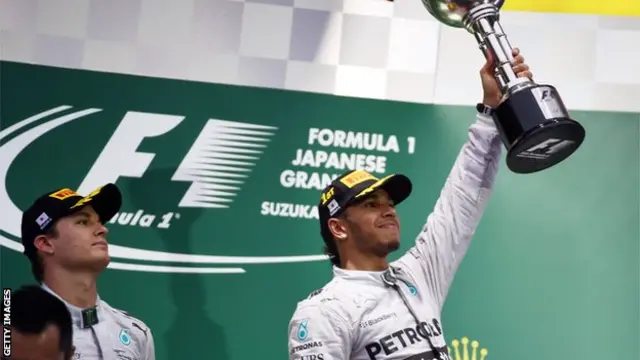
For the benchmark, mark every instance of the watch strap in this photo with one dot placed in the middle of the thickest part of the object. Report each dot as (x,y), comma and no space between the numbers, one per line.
(484,109)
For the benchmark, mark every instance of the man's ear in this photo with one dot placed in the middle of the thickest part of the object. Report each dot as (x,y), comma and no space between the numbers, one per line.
(338,228)
(43,244)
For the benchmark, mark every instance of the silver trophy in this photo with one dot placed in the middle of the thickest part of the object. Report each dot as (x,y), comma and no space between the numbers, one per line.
(533,121)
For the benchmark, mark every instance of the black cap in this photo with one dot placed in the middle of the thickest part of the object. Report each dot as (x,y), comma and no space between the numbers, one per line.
(40,217)
(354,186)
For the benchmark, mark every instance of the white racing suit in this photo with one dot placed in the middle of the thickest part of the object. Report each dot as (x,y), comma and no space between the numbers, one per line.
(115,336)
(395,314)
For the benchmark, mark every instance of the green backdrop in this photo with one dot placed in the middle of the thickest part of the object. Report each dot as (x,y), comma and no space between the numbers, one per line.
(552,272)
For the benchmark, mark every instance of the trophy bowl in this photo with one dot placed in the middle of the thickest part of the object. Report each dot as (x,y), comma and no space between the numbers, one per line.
(454,12)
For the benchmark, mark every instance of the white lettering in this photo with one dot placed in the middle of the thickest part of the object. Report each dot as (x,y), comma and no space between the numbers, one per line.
(136,217)
(411,144)
(139,218)
(287,210)
(304,180)
(353,140)
(340,161)
(166,220)
(147,220)
(142,219)
(119,157)
(6,322)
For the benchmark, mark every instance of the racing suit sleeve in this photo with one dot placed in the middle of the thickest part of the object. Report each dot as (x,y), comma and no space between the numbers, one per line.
(149,350)
(320,333)
(445,238)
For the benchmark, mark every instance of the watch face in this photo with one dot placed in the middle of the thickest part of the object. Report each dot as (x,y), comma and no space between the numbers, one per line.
(484,109)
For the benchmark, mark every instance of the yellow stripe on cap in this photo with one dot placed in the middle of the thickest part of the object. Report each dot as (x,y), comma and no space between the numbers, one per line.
(87,198)
(374,186)
(596,7)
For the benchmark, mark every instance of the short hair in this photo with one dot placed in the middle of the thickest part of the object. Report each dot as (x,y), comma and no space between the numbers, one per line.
(330,245)
(33,309)
(35,260)
(331,249)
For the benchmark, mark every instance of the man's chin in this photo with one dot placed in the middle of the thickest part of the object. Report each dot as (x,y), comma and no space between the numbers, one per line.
(388,247)
(393,245)
(100,263)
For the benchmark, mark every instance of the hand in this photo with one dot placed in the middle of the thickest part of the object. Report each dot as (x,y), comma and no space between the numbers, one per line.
(492,94)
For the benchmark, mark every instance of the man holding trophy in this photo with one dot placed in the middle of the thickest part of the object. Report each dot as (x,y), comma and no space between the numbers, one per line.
(376,310)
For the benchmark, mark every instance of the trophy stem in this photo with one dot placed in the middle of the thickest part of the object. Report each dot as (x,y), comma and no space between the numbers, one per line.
(483,22)
(486,51)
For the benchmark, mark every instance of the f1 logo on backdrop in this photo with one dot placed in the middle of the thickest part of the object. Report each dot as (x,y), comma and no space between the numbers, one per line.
(216,166)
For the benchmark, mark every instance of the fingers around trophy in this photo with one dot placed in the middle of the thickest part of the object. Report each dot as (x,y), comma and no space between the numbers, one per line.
(525,74)
(520,68)
(515,52)
(518,60)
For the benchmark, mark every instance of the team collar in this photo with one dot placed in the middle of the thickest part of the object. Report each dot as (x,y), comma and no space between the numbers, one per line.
(83,318)
(369,277)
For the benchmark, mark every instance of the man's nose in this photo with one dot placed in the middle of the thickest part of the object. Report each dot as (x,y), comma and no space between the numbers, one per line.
(389,211)
(102,230)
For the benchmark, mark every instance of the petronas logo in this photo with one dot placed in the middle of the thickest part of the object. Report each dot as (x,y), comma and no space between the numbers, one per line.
(464,352)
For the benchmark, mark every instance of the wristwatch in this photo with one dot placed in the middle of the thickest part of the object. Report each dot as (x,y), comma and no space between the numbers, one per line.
(484,109)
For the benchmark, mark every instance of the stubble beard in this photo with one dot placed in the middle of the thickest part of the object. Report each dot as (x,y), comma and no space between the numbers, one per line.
(380,248)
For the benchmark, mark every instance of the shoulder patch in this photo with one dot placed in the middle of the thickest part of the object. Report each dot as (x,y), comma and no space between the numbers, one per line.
(125,339)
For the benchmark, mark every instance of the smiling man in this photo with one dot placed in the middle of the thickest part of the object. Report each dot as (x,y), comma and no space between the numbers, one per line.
(64,238)
(376,310)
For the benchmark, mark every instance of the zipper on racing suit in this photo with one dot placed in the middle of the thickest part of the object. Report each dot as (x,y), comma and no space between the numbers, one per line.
(391,280)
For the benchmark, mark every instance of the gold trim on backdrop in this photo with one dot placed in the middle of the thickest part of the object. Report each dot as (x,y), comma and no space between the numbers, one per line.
(597,7)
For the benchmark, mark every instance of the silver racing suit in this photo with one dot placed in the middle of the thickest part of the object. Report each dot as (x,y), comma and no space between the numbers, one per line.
(111,334)
(395,314)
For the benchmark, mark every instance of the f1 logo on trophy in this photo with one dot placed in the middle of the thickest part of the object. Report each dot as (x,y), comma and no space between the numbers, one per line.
(533,121)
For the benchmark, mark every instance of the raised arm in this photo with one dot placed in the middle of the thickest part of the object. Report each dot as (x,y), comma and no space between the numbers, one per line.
(150,350)
(445,238)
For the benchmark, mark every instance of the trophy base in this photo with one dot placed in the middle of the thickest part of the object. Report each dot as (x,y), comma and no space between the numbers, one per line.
(536,129)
